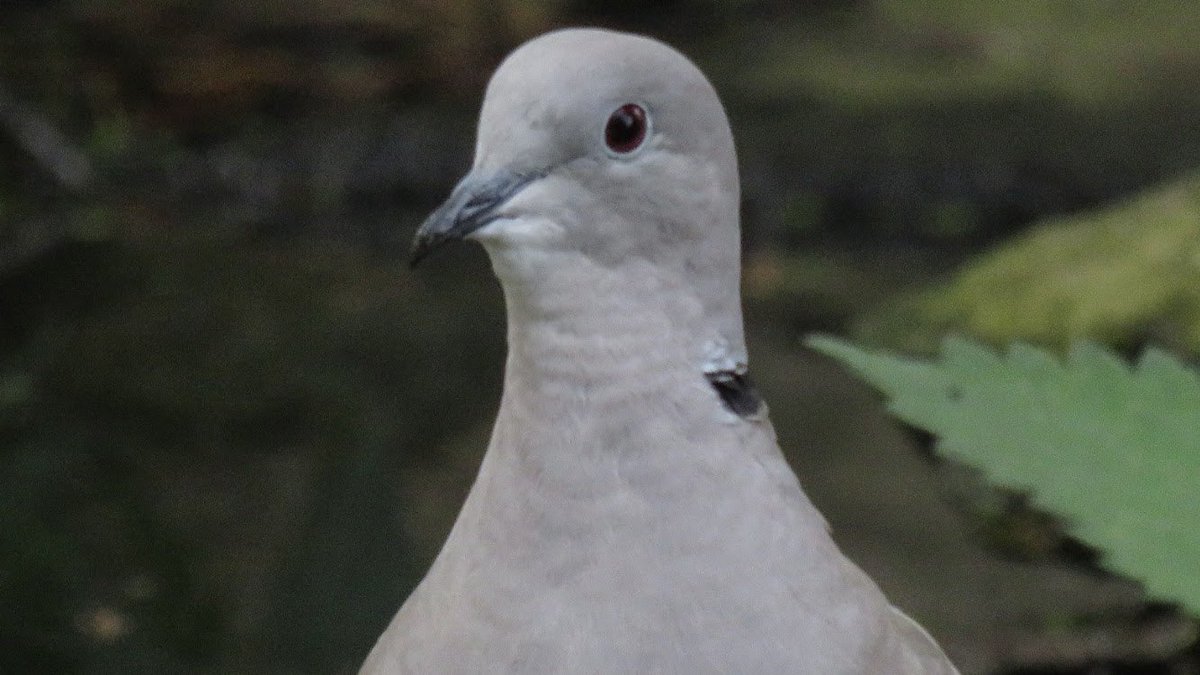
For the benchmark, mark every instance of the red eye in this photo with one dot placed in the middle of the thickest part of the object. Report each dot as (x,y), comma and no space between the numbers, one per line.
(626,129)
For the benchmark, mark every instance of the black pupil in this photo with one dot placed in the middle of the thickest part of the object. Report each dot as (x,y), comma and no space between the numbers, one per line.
(626,128)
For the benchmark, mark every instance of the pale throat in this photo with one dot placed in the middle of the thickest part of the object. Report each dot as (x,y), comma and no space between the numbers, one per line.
(571,318)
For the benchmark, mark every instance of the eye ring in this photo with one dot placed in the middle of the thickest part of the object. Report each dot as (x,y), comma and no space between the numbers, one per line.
(626,129)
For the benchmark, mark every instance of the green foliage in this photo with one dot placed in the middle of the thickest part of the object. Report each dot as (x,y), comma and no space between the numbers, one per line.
(1119,276)
(1113,448)
(950,50)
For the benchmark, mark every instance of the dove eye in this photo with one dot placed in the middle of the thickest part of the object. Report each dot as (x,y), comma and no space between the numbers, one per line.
(626,129)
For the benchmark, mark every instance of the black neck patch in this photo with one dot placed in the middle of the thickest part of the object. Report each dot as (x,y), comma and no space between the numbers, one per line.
(737,392)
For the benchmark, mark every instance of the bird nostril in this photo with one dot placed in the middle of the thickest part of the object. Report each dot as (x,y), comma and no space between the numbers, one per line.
(626,129)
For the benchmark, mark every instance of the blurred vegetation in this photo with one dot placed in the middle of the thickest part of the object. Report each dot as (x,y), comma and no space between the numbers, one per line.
(901,52)
(1125,275)
(233,428)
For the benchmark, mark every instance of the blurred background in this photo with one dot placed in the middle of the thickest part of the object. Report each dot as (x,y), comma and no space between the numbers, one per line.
(235,427)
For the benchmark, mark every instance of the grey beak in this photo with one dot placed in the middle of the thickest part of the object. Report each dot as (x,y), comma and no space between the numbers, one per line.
(471,205)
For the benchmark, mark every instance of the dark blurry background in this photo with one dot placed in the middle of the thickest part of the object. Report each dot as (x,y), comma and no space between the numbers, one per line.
(234,427)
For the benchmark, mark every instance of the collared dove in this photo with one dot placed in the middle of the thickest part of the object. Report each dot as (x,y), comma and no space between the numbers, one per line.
(633,512)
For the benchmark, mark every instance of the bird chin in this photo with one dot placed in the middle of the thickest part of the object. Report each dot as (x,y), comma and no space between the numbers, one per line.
(513,234)
(521,249)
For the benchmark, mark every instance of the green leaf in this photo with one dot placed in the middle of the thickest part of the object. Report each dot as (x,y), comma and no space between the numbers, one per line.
(1115,275)
(1114,449)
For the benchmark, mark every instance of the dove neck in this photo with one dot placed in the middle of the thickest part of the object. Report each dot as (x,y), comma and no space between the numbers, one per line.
(604,370)
(577,330)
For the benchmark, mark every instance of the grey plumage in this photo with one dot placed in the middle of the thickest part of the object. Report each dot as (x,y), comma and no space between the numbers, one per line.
(627,517)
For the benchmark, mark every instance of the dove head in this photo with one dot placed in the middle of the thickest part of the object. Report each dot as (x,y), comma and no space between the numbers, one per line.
(605,172)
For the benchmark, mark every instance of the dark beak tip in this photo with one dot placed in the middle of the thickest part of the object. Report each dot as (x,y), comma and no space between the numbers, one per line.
(468,208)
(420,249)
